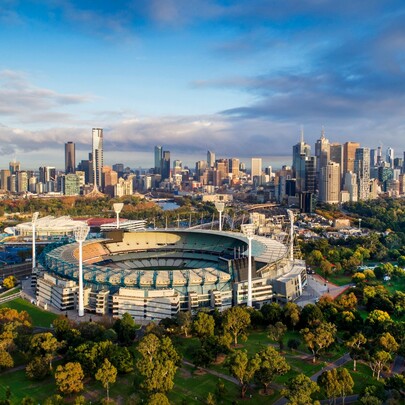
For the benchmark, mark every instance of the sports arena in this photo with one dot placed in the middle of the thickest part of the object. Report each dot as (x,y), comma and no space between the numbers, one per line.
(154,274)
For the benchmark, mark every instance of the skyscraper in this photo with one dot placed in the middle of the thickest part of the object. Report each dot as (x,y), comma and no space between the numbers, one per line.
(14,166)
(349,151)
(301,151)
(322,152)
(158,160)
(256,167)
(210,158)
(390,157)
(166,165)
(70,158)
(330,187)
(362,169)
(97,155)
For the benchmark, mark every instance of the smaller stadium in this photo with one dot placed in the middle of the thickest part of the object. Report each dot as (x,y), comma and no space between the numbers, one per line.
(154,274)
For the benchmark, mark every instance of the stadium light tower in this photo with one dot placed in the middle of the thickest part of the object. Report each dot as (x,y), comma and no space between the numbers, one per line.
(220,206)
(34,223)
(117,209)
(81,233)
(291,218)
(249,231)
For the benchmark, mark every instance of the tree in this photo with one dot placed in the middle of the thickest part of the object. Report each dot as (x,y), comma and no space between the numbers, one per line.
(158,399)
(69,378)
(388,343)
(299,390)
(336,383)
(277,332)
(243,368)
(210,399)
(6,361)
(272,364)
(28,401)
(378,361)
(158,363)
(326,268)
(125,328)
(311,315)
(354,344)
(236,321)
(44,345)
(106,374)
(292,313)
(9,282)
(378,319)
(204,325)
(348,301)
(272,313)
(183,319)
(319,338)
(37,368)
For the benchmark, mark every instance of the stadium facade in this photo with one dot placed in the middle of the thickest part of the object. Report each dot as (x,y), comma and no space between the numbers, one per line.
(157,273)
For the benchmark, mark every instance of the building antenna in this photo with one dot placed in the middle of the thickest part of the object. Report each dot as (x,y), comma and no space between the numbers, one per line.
(323,132)
(302,134)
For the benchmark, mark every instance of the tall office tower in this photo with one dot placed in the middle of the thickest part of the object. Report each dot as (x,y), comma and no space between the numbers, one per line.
(4,175)
(390,157)
(200,167)
(350,185)
(71,184)
(177,167)
(322,152)
(70,158)
(110,179)
(362,169)
(336,154)
(165,165)
(210,158)
(22,181)
(379,155)
(349,152)
(310,175)
(46,174)
(234,167)
(301,151)
(330,188)
(222,171)
(12,183)
(14,166)
(256,168)
(32,184)
(119,168)
(373,157)
(158,159)
(98,158)
(86,166)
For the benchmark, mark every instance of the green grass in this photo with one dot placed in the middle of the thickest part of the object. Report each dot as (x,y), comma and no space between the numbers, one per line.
(39,316)
(21,387)
(10,292)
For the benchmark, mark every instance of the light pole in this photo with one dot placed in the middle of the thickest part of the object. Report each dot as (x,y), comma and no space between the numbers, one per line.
(117,210)
(359,224)
(291,218)
(220,206)
(81,233)
(34,222)
(249,231)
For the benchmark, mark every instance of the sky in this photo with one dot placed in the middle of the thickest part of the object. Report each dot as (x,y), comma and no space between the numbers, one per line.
(240,78)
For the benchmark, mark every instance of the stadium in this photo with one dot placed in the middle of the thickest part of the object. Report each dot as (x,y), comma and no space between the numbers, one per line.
(153,274)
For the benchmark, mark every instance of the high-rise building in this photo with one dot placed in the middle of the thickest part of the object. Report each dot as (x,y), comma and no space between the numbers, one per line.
(234,167)
(310,175)
(86,166)
(22,181)
(177,167)
(119,168)
(336,155)
(349,152)
(14,166)
(256,168)
(390,157)
(350,185)
(362,169)
(210,158)
(158,159)
(97,156)
(4,175)
(330,187)
(165,165)
(72,184)
(47,174)
(70,158)
(301,151)
(322,152)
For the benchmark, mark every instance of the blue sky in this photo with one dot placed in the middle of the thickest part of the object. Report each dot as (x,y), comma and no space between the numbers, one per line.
(237,77)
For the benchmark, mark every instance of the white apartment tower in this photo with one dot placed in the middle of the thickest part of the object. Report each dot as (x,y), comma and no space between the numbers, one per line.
(97,152)
(256,168)
(330,176)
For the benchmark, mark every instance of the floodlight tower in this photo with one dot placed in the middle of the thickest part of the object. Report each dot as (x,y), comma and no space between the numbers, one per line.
(291,218)
(81,233)
(249,231)
(34,223)
(117,209)
(220,206)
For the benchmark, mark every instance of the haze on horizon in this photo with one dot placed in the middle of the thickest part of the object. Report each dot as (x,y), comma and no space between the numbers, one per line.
(238,77)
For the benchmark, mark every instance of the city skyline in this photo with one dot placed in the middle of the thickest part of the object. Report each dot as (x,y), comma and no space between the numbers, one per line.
(239,79)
